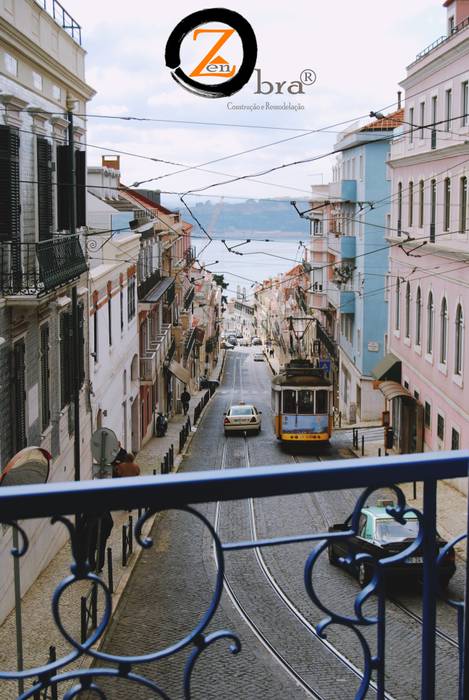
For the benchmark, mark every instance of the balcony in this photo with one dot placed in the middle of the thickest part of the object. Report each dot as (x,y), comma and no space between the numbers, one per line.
(378,653)
(31,270)
(189,297)
(347,302)
(161,345)
(146,285)
(440,41)
(148,368)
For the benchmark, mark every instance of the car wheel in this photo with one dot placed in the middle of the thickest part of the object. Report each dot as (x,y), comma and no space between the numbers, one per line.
(364,575)
(332,556)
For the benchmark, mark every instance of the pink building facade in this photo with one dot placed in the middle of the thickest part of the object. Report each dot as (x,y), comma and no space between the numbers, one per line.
(428,283)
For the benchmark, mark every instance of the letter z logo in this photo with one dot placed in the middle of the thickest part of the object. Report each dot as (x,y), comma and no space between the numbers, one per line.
(213,63)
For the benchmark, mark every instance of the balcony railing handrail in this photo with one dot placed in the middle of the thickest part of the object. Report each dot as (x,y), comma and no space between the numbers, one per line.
(63,18)
(172,490)
(441,40)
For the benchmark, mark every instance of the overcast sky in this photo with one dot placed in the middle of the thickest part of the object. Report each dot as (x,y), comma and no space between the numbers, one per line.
(359,51)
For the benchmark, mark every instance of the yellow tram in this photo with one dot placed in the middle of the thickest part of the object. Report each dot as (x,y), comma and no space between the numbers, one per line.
(302,403)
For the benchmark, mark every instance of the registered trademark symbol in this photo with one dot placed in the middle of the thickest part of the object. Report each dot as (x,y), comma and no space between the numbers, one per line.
(308,76)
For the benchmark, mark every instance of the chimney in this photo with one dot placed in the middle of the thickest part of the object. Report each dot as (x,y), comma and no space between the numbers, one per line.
(113,162)
(399,94)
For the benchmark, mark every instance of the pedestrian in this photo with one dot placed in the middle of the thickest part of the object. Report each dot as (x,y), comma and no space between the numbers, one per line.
(97,529)
(185,398)
(128,467)
(120,457)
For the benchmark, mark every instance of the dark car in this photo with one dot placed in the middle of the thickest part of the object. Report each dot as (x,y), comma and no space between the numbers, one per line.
(256,341)
(380,535)
(233,340)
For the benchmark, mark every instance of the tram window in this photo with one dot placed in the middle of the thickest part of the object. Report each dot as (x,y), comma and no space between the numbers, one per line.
(306,401)
(289,401)
(321,401)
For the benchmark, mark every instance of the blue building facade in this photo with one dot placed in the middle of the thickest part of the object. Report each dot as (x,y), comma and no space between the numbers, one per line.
(361,207)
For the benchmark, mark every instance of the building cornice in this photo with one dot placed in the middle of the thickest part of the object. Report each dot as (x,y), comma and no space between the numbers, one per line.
(438,63)
(21,43)
(430,156)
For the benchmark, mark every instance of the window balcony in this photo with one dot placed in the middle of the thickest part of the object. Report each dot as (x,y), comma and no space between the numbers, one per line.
(32,270)
(148,368)
(160,345)
(377,659)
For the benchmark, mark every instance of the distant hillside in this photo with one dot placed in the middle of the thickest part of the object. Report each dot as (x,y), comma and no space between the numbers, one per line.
(248,217)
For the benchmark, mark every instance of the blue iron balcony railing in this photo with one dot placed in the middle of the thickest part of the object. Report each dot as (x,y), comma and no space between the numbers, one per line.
(183,492)
(34,269)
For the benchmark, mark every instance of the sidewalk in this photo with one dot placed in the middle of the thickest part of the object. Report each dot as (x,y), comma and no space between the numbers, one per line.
(39,628)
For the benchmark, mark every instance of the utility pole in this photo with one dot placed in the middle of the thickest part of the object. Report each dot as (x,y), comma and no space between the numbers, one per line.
(75,322)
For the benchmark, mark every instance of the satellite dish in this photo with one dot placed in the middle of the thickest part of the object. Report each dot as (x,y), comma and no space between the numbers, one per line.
(29,466)
(104,445)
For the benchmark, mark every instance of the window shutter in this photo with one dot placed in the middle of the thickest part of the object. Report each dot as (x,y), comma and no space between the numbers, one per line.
(80,176)
(65,358)
(45,377)
(81,344)
(19,396)
(9,184)
(63,189)
(44,188)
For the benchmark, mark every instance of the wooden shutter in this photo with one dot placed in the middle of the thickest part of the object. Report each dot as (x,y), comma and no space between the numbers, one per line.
(10,209)
(81,344)
(63,189)
(80,170)
(66,359)
(19,396)
(44,188)
(45,377)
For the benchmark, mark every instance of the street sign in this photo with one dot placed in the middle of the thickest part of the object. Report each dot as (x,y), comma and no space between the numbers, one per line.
(104,445)
(325,365)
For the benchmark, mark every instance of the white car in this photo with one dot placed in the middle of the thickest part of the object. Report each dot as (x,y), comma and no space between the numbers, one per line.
(242,417)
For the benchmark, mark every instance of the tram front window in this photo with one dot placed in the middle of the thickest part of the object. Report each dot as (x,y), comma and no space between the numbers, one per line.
(306,401)
(289,401)
(321,401)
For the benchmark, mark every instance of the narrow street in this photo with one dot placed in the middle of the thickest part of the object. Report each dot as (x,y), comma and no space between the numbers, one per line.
(172,585)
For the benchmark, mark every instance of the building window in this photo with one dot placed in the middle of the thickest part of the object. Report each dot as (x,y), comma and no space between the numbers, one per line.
(422,120)
(398,304)
(109,319)
(463,205)
(464,102)
(131,298)
(406,385)
(19,396)
(56,93)
(428,415)
(407,311)
(459,340)
(411,204)
(454,439)
(416,395)
(434,110)
(443,331)
(11,64)
(45,377)
(448,106)
(447,203)
(44,189)
(361,167)
(418,317)
(432,210)
(430,311)
(411,124)
(37,81)
(399,208)
(121,298)
(440,427)
(95,333)
(68,346)
(421,202)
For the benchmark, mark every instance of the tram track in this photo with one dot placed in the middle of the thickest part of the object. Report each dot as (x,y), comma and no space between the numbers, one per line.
(411,614)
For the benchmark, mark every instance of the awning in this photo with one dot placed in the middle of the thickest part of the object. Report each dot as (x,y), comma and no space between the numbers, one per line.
(393,390)
(179,372)
(388,368)
(158,290)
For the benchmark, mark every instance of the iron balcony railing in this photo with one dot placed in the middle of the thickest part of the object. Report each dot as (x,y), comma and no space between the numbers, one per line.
(364,620)
(34,269)
(146,285)
(63,19)
(148,368)
(189,297)
(441,40)
(328,343)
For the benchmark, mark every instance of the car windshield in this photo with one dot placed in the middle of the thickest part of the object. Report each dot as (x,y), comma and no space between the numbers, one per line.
(241,411)
(392,531)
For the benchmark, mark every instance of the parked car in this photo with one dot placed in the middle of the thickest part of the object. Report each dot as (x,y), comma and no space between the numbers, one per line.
(256,341)
(380,535)
(233,340)
(259,357)
(226,345)
(242,417)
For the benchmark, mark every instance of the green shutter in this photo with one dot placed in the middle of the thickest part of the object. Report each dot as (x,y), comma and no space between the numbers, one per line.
(45,377)
(80,177)
(44,188)
(63,189)
(19,396)
(66,358)
(10,209)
